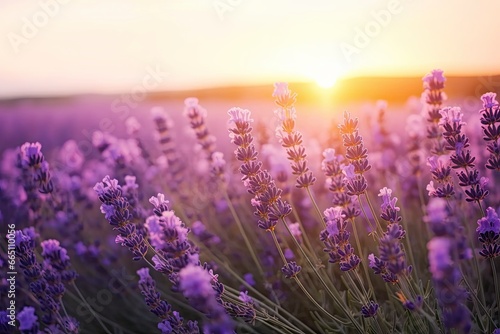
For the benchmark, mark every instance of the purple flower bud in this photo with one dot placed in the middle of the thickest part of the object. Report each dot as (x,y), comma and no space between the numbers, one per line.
(245,298)
(51,249)
(434,80)
(369,310)
(291,269)
(248,277)
(451,116)
(28,321)
(348,171)
(439,256)
(489,223)
(489,100)
(239,115)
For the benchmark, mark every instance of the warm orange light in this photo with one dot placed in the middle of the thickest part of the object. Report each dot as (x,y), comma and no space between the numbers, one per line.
(325,81)
(325,75)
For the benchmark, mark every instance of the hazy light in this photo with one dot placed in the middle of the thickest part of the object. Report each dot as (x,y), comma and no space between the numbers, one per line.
(326,81)
(88,46)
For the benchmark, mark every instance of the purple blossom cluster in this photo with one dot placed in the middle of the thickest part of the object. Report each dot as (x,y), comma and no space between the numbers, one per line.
(171,321)
(433,97)
(197,119)
(47,281)
(489,234)
(33,163)
(333,167)
(336,240)
(356,155)
(490,120)
(116,210)
(441,173)
(269,206)
(290,138)
(450,294)
(196,285)
(461,158)
(391,263)
(169,238)
(164,127)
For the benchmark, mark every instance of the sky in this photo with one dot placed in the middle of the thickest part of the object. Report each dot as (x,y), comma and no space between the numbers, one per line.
(59,47)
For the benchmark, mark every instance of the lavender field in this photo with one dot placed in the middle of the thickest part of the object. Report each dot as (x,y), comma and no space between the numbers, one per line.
(251,215)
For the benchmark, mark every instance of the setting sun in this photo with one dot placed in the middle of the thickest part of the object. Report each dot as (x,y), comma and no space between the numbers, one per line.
(325,81)
(324,73)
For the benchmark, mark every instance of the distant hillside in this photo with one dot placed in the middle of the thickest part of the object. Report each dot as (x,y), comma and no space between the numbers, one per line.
(352,89)
(345,90)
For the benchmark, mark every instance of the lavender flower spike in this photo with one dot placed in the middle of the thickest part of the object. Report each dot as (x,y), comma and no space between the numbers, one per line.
(28,321)
(171,322)
(490,123)
(117,211)
(196,286)
(446,276)
(489,234)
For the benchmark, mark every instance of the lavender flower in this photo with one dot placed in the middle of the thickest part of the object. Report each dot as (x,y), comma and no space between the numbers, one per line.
(160,204)
(170,241)
(441,173)
(116,209)
(332,166)
(28,321)
(218,165)
(164,126)
(392,261)
(489,234)
(35,176)
(197,118)
(290,138)
(356,155)
(47,282)
(245,311)
(291,269)
(490,119)
(336,240)
(57,258)
(456,141)
(446,276)
(267,196)
(433,97)
(369,310)
(171,322)
(196,286)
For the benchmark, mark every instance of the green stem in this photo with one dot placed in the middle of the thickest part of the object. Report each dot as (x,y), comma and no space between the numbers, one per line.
(304,234)
(91,309)
(330,292)
(262,299)
(363,256)
(374,213)
(298,281)
(497,285)
(373,232)
(244,235)
(476,298)
(318,211)
(314,301)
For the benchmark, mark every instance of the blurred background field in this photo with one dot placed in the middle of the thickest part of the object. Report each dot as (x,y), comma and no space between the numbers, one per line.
(53,119)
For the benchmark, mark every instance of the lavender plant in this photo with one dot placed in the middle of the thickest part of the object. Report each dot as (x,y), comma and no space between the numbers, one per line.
(263,240)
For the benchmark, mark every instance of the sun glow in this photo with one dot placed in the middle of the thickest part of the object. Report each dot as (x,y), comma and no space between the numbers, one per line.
(324,73)
(325,81)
